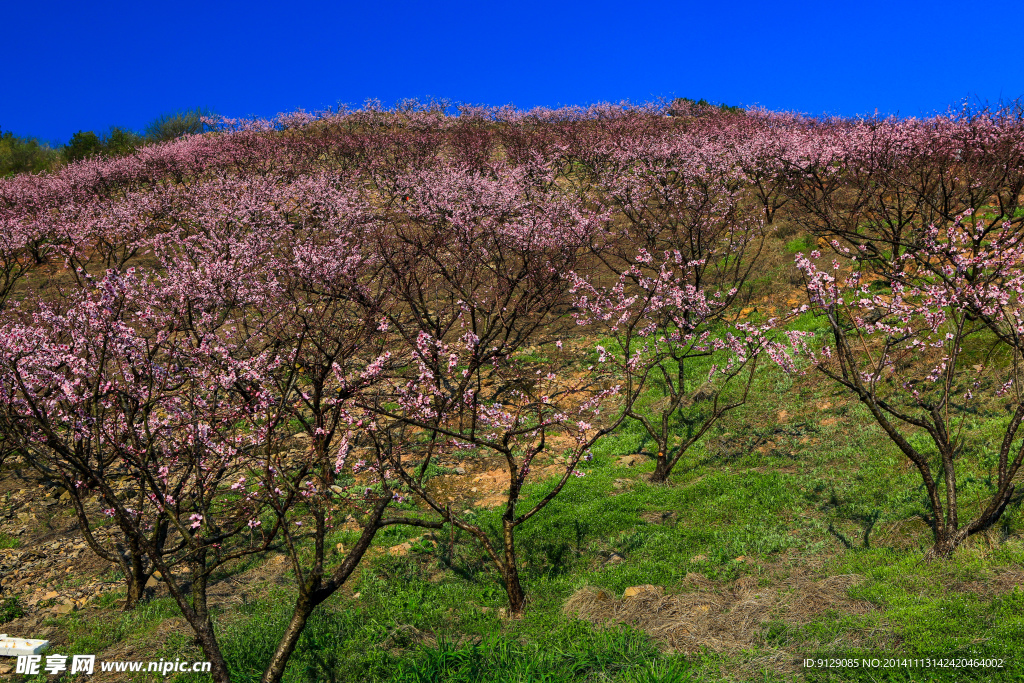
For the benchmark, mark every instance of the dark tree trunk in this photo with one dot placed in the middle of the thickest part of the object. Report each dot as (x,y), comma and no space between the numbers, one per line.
(948,538)
(197,612)
(136,584)
(315,591)
(218,667)
(137,576)
(661,470)
(510,573)
(286,646)
(514,589)
(946,542)
(203,619)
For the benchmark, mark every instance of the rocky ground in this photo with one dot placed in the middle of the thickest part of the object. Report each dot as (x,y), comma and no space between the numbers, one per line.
(45,564)
(50,567)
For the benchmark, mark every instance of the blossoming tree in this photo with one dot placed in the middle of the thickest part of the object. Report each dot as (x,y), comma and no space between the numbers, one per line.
(927,351)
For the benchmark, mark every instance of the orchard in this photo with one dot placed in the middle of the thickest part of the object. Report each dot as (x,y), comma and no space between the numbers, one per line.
(282,328)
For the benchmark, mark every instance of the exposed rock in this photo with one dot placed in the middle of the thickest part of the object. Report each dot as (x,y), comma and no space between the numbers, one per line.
(64,608)
(615,558)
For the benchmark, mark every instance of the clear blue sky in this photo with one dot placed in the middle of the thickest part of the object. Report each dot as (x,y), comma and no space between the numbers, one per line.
(88,65)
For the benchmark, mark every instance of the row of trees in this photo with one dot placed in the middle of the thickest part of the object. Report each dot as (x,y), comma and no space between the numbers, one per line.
(403,286)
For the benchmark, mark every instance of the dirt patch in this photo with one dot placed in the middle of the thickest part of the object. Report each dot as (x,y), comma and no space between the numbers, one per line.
(727,618)
(993,584)
(484,483)
(667,517)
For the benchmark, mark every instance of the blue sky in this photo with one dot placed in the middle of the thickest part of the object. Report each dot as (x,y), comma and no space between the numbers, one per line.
(88,65)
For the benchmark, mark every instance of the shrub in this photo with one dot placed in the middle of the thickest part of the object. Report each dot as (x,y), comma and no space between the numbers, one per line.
(24,155)
(119,142)
(171,125)
(82,146)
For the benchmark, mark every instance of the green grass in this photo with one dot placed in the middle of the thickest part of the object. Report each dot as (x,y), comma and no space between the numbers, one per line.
(800,244)
(341,645)
(89,636)
(799,482)
(10,609)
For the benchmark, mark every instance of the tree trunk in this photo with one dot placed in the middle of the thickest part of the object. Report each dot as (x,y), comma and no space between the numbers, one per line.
(137,577)
(510,573)
(661,470)
(136,586)
(197,613)
(286,646)
(514,589)
(316,591)
(946,542)
(218,667)
(202,624)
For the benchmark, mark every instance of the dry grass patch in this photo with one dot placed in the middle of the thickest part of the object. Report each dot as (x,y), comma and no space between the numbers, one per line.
(728,618)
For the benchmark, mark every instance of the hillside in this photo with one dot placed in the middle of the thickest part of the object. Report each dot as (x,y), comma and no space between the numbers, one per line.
(568,395)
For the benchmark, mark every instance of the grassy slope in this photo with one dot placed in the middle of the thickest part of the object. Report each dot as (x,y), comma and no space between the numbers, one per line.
(796,488)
